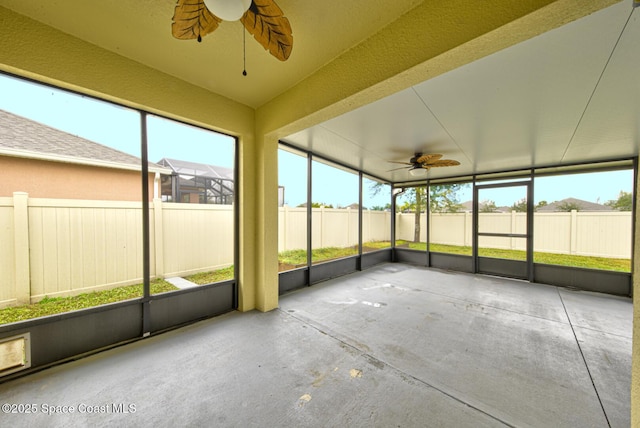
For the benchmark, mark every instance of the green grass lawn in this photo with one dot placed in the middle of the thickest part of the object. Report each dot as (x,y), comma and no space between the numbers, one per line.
(299,257)
(57,305)
(604,263)
(214,276)
(289,260)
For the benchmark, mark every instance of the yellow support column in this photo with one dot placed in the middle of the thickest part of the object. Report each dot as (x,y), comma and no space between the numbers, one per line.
(258,278)
(247,206)
(267,227)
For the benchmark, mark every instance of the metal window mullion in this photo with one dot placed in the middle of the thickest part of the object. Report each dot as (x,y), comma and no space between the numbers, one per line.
(146,253)
(235,198)
(309,216)
(474,227)
(530,223)
(427,210)
(503,235)
(634,224)
(360,187)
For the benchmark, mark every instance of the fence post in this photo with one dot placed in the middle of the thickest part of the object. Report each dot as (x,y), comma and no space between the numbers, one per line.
(21,247)
(467,230)
(366,233)
(285,220)
(322,228)
(348,242)
(573,227)
(158,227)
(513,229)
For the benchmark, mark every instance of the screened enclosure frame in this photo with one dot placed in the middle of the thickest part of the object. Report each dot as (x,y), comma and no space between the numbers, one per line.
(91,329)
(313,273)
(528,235)
(207,181)
(612,282)
(96,328)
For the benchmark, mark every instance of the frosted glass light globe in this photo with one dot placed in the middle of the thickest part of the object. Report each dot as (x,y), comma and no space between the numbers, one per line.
(418,172)
(228,10)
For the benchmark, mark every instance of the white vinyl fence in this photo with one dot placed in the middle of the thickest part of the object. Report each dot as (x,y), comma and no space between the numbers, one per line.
(331,227)
(61,247)
(58,247)
(598,234)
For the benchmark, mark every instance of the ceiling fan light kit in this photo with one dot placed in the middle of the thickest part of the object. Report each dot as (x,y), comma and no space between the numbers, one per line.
(418,172)
(228,10)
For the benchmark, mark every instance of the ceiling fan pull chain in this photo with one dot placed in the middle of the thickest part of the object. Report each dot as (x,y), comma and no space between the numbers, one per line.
(244,52)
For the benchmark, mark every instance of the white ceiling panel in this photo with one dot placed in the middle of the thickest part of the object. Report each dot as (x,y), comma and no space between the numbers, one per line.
(611,123)
(539,103)
(522,104)
(391,125)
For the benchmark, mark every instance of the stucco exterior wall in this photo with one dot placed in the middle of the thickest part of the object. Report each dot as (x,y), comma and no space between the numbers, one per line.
(58,180)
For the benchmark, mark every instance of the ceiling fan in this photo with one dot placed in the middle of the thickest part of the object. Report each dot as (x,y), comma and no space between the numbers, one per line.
(194,19)
(419,164)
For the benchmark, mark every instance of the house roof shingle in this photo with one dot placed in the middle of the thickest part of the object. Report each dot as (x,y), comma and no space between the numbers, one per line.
(583,205)
(28,138)
(553,206)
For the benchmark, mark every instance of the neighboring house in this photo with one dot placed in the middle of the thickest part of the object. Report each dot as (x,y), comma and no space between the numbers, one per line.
(196,183)
(554,206)
(468,207)
(48,163)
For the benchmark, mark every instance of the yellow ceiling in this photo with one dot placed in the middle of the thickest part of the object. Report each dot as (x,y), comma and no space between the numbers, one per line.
(141,30)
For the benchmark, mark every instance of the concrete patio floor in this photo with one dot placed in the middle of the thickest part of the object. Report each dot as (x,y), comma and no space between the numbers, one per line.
(393,346)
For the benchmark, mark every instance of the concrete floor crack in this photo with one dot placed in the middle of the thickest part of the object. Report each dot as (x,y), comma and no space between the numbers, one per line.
(381,363)
(584,359)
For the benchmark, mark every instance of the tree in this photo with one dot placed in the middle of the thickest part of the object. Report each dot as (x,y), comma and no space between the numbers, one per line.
(387,207)
(520,206)
(488,206)
(541,204)
(415,197)
(316,205)
(623,203)
(443,198)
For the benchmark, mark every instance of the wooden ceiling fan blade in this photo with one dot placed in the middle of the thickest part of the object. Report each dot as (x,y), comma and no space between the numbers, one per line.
(428,158)
(267,24)
(192,20)
(396,169)
(401,163)
(445,162)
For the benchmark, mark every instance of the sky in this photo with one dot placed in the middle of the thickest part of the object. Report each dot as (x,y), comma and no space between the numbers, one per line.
(119,127)
(339,189)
